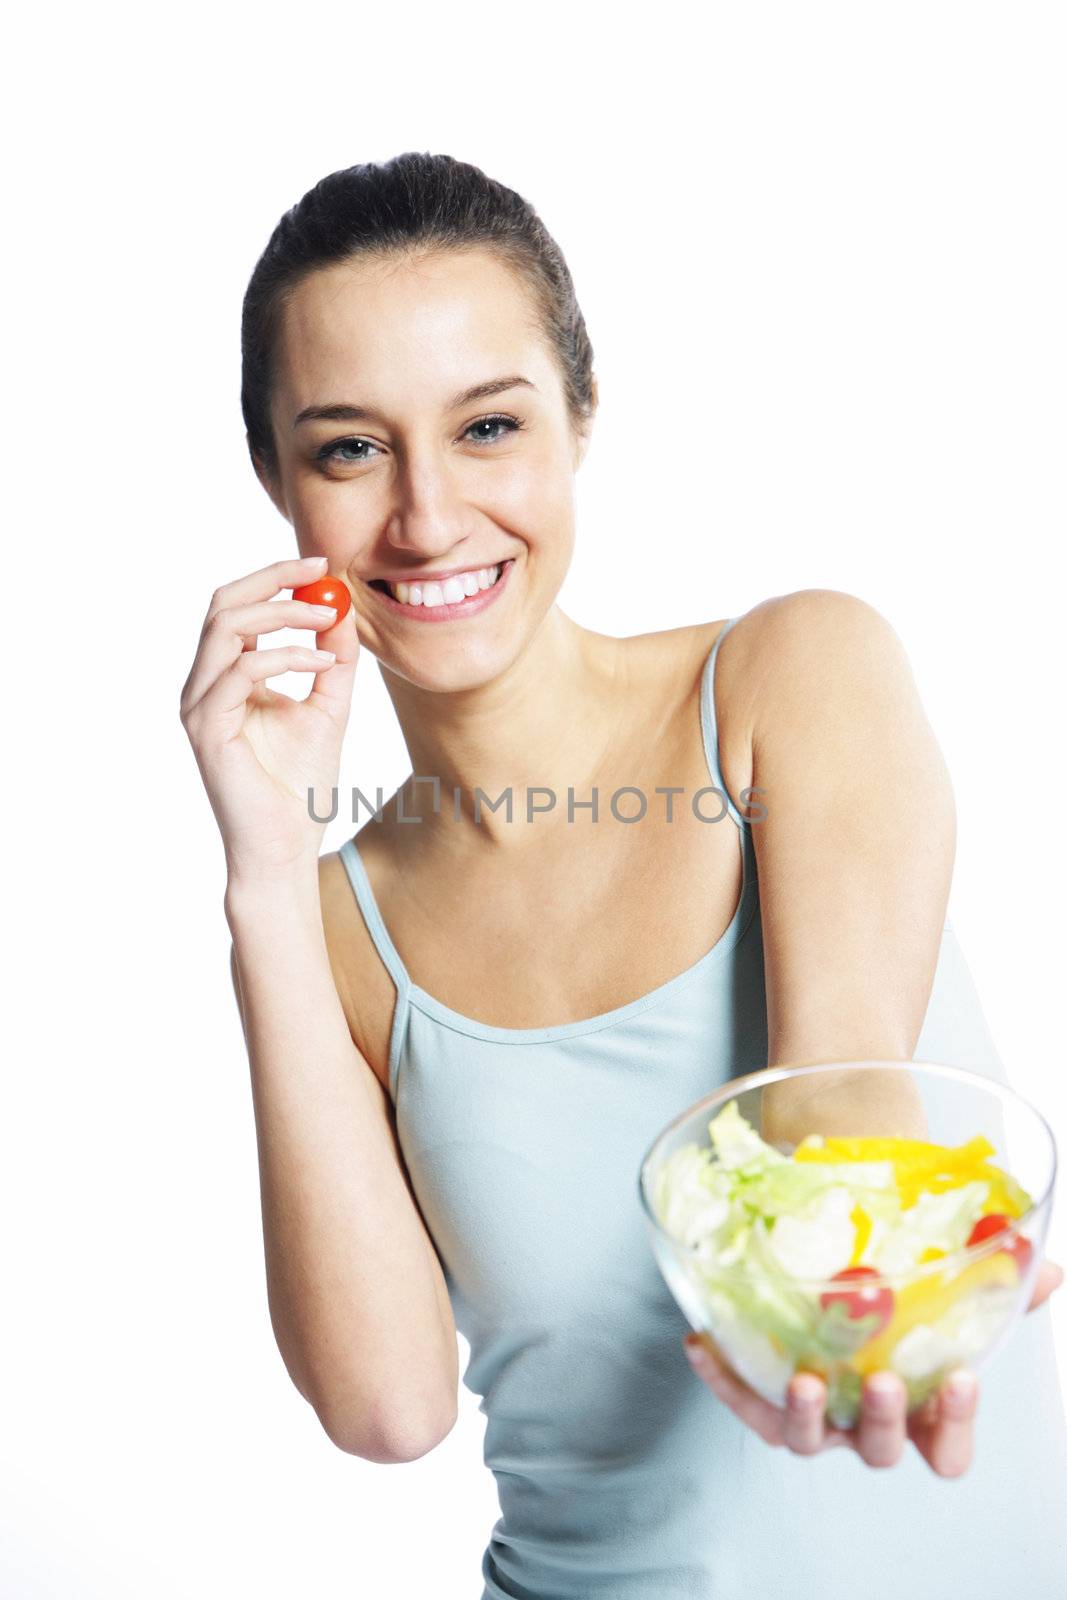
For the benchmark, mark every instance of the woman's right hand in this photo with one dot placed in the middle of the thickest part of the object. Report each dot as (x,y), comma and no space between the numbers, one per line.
(942,1429)
(260,751)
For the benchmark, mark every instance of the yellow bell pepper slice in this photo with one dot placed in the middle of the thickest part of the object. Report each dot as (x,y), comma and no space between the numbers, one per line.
(919,1166)
(862,1224)
(925,1301)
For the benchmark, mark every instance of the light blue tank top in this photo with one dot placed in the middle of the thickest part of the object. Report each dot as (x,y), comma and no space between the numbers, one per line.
(619,1472)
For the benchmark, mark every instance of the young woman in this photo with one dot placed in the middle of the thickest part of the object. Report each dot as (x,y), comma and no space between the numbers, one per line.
(465,1028)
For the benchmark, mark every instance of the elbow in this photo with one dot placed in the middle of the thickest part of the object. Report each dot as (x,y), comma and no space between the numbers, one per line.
(387,1443)
(411,1446)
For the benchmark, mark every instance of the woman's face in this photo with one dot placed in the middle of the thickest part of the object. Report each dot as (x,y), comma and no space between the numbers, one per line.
(421,481)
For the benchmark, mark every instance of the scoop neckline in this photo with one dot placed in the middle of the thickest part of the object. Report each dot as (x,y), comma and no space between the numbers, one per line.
(430,1006)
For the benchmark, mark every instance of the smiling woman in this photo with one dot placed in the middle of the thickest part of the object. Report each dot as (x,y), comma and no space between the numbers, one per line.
(464,1034)
(382,453)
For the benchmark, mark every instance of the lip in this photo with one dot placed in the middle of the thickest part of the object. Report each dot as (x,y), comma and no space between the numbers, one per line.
(469,606)
(436,577)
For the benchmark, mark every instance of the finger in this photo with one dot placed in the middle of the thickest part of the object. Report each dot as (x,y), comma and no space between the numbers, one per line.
(260,585)
(1048,1280)
(266,582)
(232,689)
(333,688)
(244,625)
(942,1429)
(881,1428)
(757,1413)
(264,585)
(804,1425)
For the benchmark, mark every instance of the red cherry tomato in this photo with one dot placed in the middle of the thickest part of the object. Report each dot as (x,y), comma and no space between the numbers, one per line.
(328,591)
(995,1222)
(865,1299)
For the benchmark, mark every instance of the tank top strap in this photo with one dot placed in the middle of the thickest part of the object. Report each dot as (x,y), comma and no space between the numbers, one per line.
(357,877)
(710,727)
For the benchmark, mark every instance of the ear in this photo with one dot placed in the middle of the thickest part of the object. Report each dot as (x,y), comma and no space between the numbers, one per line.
(267,479)
(585,437)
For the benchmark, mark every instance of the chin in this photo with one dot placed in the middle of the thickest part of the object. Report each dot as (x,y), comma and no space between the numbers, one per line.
(452,669)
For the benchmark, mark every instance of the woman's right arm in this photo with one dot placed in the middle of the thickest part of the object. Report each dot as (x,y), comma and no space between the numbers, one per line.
(352,1276)
(357,1297)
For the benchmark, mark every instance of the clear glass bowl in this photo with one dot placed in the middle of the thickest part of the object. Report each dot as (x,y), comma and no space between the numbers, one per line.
(922,1318)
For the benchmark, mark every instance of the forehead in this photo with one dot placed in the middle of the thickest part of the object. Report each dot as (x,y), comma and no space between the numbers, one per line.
(382,331)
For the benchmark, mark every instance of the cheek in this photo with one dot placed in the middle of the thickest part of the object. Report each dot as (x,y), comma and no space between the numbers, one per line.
(532,493)
(331,523)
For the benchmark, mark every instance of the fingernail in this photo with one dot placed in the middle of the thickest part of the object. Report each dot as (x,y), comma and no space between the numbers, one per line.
(962,1387)
(695,1350)
(804,1396)
(882,1392)
(309,560)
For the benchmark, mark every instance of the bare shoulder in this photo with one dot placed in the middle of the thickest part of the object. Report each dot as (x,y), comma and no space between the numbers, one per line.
(783,619)
(791,646)
(364,987)
(770,664)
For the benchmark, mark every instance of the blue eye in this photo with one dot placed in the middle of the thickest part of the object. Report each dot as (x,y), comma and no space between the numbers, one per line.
(511,424)
(329,452)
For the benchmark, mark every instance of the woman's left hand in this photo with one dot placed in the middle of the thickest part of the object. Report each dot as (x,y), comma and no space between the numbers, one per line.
(942,1429)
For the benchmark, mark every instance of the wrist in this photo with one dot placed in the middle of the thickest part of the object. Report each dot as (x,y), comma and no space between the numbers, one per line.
(252,897)
(865,1104)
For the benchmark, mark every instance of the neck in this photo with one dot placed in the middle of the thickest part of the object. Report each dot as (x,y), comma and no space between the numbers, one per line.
(549,721)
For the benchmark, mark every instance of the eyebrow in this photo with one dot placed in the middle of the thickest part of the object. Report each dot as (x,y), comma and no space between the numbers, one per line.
(345,413)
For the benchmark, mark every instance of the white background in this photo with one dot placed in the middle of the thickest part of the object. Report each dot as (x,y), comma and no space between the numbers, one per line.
(821,254)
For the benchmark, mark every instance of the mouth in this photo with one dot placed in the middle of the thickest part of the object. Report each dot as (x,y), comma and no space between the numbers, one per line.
(442,600)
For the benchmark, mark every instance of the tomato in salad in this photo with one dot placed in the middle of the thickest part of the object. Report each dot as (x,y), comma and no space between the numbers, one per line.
(860,1297)
(995,1222)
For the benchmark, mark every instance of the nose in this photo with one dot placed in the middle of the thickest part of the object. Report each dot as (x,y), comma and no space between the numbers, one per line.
(429,516)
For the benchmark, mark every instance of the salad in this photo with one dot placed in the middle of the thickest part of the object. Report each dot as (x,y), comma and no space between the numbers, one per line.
(821,1259)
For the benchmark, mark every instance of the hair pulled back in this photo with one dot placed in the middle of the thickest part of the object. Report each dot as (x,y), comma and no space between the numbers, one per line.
(413,202)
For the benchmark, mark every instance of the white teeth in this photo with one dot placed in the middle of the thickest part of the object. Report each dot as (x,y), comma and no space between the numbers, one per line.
(448,592)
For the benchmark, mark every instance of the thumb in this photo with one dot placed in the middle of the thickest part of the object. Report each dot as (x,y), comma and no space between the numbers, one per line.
(1049,1278)
(332,687)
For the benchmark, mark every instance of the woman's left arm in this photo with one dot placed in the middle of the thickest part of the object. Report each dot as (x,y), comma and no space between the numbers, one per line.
(855,854)
(854,857)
